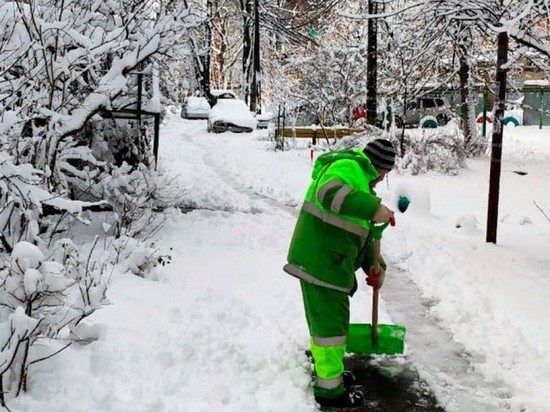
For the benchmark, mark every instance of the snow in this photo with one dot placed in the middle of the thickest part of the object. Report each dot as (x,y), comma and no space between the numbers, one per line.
(25,256)
(536,82)
(223,328)
(197,106)
(9,119)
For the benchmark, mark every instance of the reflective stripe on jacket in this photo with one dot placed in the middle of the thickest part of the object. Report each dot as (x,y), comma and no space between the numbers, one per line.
(333,225)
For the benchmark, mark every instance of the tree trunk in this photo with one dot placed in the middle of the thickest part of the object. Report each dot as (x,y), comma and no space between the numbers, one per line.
(372,65)
(204,73)
(219,70)
(464,74)
(247,7)
(255,92)
(496,146)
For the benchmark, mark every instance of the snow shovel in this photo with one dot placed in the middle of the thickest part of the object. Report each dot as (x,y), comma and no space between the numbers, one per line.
(375,339)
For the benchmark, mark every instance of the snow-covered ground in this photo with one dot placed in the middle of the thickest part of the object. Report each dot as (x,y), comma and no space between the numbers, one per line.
(224,330)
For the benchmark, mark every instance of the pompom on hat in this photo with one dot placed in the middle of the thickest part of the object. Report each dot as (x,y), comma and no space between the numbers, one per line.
(381,153)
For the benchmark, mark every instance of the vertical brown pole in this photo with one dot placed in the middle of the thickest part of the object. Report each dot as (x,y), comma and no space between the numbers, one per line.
(255,92)
(496,146)
(156,139)
(372,64)
(375,292)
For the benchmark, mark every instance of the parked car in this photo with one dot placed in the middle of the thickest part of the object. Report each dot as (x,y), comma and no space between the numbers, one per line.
(217,94)
(195,108)
(437,107)
(264,119)
(231,115)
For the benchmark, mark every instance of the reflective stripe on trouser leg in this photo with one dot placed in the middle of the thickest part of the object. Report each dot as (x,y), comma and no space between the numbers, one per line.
(328,368)
(327,313)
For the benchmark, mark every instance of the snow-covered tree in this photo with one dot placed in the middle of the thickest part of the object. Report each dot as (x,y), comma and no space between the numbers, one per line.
(63,63)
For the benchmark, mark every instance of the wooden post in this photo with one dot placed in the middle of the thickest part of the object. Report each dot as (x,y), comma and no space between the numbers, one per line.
(156,139)
(496,146)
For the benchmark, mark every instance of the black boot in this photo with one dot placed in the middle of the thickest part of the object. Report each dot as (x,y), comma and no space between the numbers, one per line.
(349,379)
(351,398)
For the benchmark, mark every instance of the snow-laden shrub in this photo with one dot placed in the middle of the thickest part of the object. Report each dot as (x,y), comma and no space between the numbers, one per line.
(79,169)
(440,149)
(138,258)
(20,203)
(15,329)
(128,143)
(361,139)
(135,194)
(23,206)
(91,279)
(84,65)
(55,294)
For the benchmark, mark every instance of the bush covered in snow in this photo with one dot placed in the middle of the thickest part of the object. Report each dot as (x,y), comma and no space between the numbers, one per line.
(440,149)
(42,303)
(138,258)
(420,150)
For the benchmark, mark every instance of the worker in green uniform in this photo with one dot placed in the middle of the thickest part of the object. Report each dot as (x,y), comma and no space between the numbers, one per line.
(331,240)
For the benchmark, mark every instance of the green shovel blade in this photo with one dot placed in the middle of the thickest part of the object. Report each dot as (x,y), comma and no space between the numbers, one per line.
(391,339)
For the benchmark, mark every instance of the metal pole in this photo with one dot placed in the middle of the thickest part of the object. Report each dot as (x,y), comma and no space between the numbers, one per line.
(496,147)
(541,111)
(484,125)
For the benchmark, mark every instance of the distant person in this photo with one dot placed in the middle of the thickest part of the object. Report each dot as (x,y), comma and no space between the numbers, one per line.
(330,242)
(358,112)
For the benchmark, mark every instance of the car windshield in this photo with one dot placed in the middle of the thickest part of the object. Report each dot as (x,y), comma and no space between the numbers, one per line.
(429,103)
(223,94)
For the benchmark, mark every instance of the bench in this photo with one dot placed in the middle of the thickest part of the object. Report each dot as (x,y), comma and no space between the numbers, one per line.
(317,132)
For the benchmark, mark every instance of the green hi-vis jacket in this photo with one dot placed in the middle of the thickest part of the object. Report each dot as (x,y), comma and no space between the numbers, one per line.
(333,229)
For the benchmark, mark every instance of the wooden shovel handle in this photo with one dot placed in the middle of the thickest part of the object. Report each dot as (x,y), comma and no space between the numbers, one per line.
(375,264)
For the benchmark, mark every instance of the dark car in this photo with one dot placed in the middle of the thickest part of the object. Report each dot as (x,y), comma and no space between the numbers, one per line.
(219,94)
(437,107)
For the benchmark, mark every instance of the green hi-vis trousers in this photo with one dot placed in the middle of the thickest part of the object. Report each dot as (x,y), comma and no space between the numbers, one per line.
(327,314)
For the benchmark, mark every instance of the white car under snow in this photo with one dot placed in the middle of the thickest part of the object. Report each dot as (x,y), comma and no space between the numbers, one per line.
(231,115)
